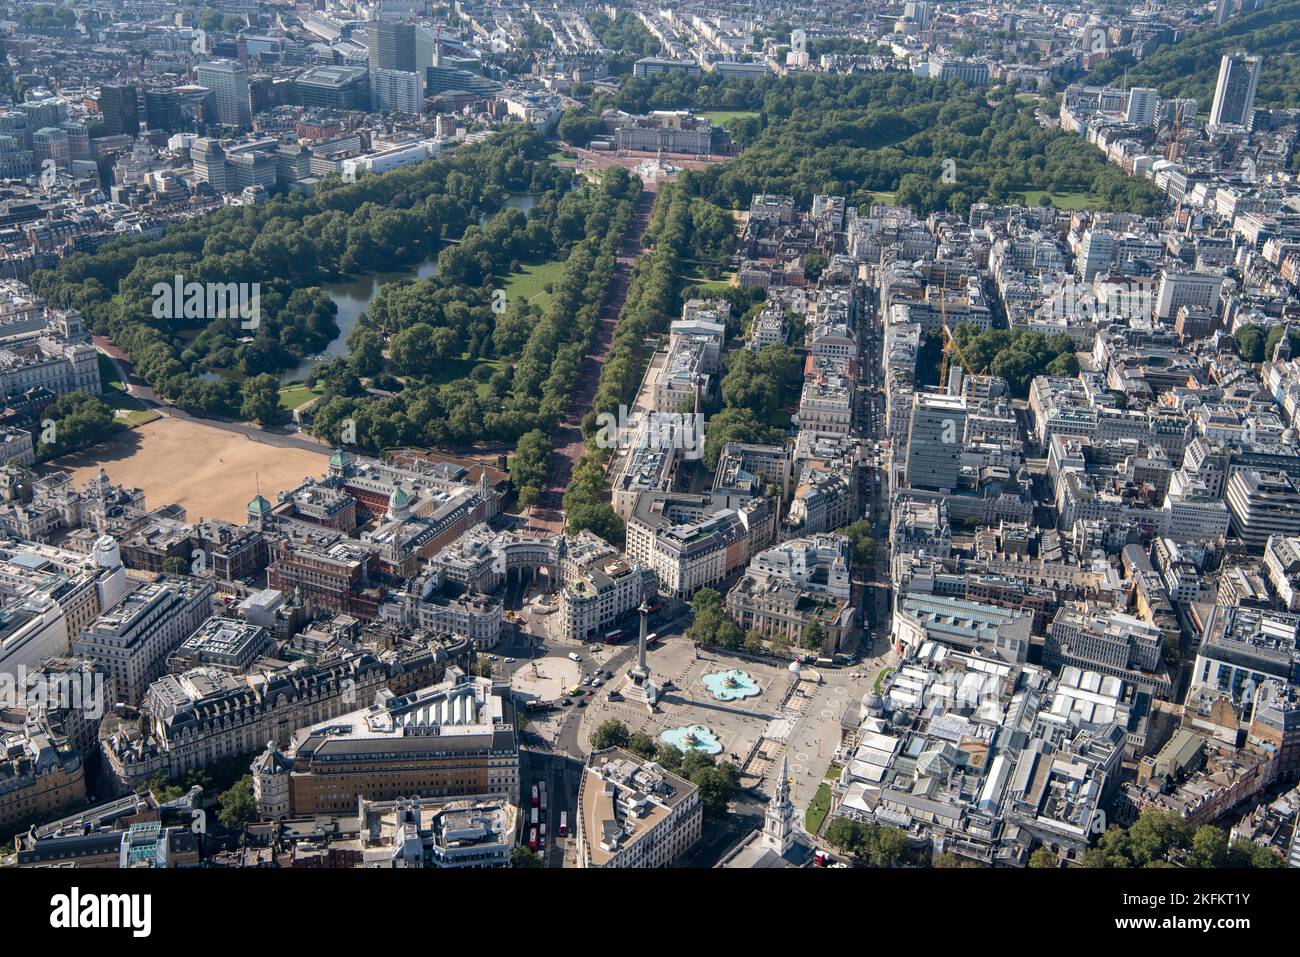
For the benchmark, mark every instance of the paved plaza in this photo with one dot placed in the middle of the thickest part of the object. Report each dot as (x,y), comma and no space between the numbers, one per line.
(754,732)
(545,679)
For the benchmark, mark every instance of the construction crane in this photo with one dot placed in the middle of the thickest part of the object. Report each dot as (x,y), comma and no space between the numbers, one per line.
(950,346)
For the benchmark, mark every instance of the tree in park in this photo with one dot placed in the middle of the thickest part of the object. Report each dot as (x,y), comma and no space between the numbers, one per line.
(261,399)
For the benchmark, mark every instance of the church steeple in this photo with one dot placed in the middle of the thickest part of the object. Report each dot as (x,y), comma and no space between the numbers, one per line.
(778,820)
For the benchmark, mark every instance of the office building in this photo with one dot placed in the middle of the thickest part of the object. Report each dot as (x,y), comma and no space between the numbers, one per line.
(334,87)
(691,543)
(1234,94)
(1262,503)
(1185,289)
(391,45)
(595,599)
(51,144)
(203,715)
(228,81)
(132,639)
(653,65)
(50,595)
(1108,642)
(454,739)
(119,108)
(934,442)
(1140,106)
(633,813)
(40,775)
(397,91)
(164,109)
(436,833)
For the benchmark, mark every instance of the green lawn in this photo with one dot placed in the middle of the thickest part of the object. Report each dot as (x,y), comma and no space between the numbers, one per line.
(883,198)
(723,117)
(711,286)
(562,158)
(292,396)
(1034,197)
(129,411)
(451,370)
(818,809)
(108,374)
(530,282)
(880,678)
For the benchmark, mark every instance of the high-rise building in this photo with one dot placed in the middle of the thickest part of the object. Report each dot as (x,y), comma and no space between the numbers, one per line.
(52,144)
(391,45)
(1234,95)
(119,106)
(935,441)
(209,159)
(228,81)
(1140,106)
(340,87)
(164,109)
(397,91)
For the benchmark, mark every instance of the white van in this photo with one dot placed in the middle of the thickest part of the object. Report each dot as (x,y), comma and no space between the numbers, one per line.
(574,656)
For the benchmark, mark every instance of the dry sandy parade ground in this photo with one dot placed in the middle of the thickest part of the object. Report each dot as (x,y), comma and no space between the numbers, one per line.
(212,473)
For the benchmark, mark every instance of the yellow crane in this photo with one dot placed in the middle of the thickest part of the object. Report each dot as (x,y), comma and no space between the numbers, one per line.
(950,346)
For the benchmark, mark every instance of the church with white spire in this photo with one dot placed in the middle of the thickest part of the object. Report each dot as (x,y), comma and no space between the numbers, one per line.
(778,822)
(779,843)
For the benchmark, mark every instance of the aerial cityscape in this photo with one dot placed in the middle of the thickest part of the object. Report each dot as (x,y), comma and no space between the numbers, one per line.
(695,435)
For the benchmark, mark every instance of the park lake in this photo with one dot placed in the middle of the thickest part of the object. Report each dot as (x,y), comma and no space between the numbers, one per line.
(353,297)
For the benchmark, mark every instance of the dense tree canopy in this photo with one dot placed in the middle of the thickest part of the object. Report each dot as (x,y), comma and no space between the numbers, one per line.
(1190,67)
(1165,839)
(1016,356)
(284,247)
(855,135)
(72,422)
